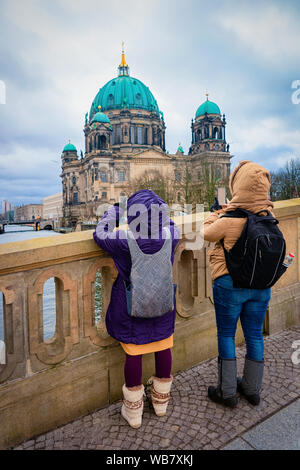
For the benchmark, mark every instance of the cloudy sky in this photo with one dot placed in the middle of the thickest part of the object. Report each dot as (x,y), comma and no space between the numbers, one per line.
(56,54)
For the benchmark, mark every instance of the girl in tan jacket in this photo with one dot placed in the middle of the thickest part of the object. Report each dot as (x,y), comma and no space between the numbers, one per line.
(249,185)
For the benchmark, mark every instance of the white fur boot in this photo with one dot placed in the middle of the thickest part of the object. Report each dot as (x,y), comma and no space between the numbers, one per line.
(133,404)
(160,394)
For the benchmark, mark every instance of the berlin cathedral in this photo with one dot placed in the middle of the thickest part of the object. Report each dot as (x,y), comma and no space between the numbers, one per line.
(125,139)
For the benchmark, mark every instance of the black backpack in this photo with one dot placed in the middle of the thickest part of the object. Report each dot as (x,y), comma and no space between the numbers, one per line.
(255,260)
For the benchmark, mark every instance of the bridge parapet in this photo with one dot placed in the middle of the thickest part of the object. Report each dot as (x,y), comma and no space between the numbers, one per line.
(46,383)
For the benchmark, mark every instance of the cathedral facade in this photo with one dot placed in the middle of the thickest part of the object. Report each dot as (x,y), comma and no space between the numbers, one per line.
(125,139)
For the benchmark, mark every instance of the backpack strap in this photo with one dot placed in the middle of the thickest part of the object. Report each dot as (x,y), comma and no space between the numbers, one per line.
(237,213)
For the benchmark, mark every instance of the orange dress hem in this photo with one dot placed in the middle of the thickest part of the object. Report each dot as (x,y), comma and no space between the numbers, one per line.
(137,349)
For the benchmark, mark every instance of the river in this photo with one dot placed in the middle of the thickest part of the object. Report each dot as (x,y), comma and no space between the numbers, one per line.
(16,233)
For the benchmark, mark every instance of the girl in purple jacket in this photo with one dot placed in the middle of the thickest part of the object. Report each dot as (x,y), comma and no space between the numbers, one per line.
(139,336)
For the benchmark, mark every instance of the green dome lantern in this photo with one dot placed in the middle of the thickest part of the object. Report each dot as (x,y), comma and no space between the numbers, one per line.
(70,148)
(124,92)
(100,117)
(208,107)
(180,149)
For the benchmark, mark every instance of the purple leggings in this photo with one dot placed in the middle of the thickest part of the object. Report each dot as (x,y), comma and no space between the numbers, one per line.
(133,367)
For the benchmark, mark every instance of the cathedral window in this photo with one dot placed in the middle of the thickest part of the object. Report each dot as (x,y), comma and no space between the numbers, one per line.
(75,198)
(118,136)
(102,142)
(111,100)
(177,176)
(132,134)
(103,177)
(121,176)
(138,99)
(74,180)
(146,135)
(140,135)
(215,133)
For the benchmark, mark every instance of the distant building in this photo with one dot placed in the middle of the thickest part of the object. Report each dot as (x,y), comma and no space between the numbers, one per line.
(6,207)
(125,139)
(28,212)
(52,207)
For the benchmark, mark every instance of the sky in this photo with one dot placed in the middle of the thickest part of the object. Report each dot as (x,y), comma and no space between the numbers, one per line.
(56,54)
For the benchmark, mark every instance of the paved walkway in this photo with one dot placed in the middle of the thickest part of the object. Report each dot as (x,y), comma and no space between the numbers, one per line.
(193,421)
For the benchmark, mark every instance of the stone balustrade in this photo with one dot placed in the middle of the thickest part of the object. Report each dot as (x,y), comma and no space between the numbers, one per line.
(46,383)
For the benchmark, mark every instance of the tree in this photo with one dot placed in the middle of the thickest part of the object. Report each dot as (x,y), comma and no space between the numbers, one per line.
(285,182)
(154,180)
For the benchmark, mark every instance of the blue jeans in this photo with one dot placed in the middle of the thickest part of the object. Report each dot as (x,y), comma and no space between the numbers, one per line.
(232,303)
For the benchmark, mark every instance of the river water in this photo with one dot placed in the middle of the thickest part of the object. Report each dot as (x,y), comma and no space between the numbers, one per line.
(17,233)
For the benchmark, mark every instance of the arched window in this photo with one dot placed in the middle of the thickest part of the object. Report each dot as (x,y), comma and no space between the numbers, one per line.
(206,132)
(103,177)
(132,134)
(221,133)
(91,145)
(118,136)
(103,142)
(215,133)
(111,100)
(138,99)
(218,172)
(146,135)
(122,175)
(140,135)
(178,197)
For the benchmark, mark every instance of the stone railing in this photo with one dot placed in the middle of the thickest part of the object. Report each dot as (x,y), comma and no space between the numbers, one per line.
(46,383)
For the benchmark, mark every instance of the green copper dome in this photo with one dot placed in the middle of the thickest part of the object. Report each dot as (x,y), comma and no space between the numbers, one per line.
(180,149)
(70,148)
(124,92)
(100,117)
(208,107)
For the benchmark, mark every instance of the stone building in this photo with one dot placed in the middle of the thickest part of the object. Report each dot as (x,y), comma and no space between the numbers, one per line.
(52,207)
(124,138)
(28,212)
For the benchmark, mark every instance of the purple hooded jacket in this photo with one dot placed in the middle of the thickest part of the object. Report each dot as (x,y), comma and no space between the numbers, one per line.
(119,324)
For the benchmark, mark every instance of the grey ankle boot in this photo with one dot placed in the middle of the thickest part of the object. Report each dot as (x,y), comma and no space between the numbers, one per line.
(225,392)
(251,383)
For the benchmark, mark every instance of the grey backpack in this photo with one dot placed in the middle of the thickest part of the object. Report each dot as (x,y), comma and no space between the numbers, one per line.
(150,292)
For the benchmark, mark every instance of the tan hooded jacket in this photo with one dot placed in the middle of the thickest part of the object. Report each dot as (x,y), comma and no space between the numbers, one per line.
(249,185)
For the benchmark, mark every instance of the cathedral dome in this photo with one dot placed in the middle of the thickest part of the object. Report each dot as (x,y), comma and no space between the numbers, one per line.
(208,107)
(70,148)
(124,92)
(100,117)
